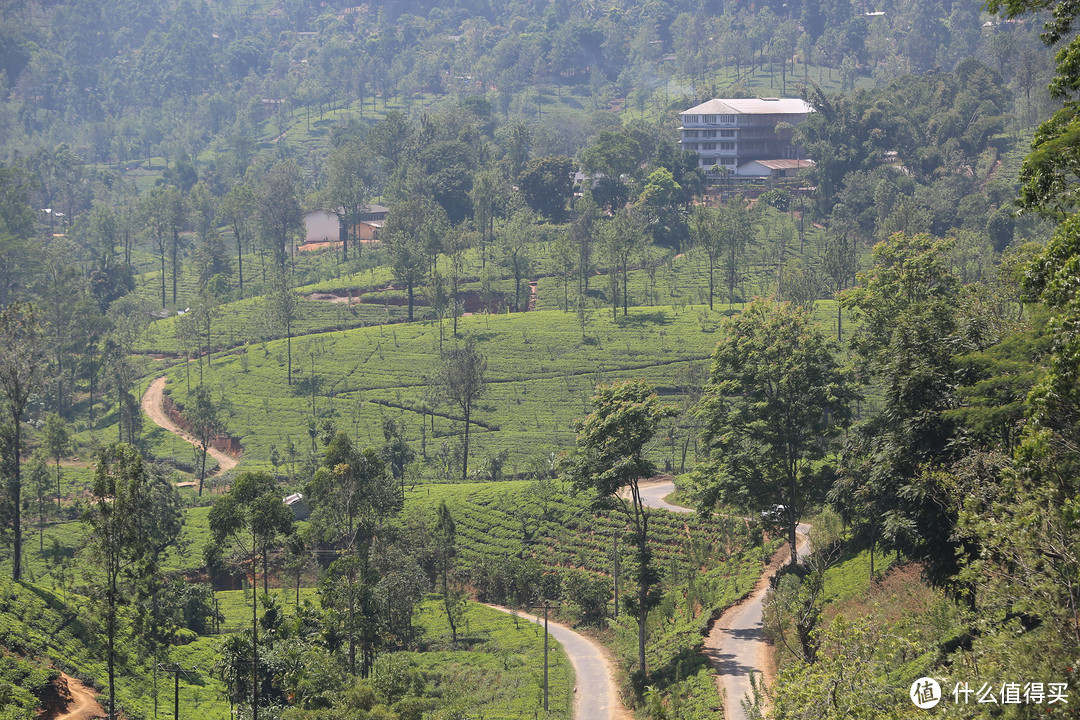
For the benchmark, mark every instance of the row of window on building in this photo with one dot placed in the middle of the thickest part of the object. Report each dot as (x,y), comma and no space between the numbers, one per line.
(728,146)
(708,133)
(709,119)
(709,146)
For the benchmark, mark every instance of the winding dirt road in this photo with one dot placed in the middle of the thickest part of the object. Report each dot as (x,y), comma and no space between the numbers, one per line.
(81,706)
(594,689)
(736,645)
(151,405)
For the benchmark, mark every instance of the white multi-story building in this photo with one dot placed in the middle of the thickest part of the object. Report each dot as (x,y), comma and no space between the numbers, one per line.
(736,135)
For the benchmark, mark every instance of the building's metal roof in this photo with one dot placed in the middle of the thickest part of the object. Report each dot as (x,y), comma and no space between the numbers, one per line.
(752,106)
(785,164)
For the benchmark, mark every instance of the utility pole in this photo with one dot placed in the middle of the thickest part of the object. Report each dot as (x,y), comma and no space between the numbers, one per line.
(545,607)
(176,670)
(615,565)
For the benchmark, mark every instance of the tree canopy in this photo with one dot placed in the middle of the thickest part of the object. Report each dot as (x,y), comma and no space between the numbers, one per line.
(774,404)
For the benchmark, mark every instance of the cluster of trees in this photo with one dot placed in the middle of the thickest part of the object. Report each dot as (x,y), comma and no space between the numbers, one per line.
(371,574)
(450,177)
(226,55)
(453,185)
(134,517)
(173,80)
(945,440)
(965,460)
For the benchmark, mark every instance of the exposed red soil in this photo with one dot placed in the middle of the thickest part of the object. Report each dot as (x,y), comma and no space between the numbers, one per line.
(168,417)
(68,698)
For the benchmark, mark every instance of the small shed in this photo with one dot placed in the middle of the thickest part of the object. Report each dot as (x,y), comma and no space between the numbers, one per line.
(774,169)
(325,226)
(321,226)
(295,502)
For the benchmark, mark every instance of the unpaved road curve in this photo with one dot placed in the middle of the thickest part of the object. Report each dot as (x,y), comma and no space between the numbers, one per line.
(83,705)
(594,689)
(736,645)
(151,405)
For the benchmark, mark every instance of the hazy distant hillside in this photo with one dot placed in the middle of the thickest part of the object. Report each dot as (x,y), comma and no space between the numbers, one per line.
(125,81)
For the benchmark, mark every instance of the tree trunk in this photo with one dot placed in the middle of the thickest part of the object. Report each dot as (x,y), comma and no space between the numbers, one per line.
(465,450)
(792,519)
(60,384)
(352,625)
(643,591)
(254,637)
(16,568)
(112,648)
(625,284)
(202,469)
(345,242)
(175,262)
(239,257)
(614,282)
(642,597)
(711,266)
(410,289)
(731,278)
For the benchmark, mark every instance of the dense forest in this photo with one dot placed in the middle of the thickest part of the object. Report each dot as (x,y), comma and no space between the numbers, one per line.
(281,475)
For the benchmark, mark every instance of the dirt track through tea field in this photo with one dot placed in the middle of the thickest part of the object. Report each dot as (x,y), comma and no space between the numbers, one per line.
(152,406)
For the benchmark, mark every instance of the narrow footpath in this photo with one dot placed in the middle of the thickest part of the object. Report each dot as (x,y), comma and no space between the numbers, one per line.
(152,406)
(736,645)
(594,686)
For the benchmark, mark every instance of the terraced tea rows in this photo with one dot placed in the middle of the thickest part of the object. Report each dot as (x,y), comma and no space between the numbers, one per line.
(551,526)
